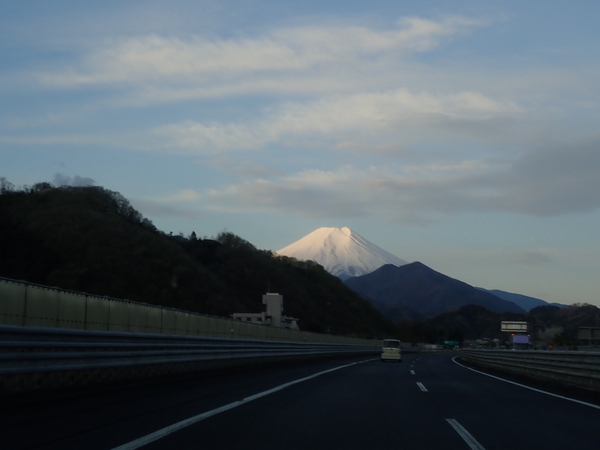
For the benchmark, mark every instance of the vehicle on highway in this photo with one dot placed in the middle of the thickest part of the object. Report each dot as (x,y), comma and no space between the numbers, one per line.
(391,350)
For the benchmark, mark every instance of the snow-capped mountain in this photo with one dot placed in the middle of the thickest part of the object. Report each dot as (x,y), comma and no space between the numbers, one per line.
(341,251)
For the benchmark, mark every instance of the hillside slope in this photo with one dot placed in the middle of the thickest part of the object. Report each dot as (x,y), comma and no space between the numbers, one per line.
(90,239)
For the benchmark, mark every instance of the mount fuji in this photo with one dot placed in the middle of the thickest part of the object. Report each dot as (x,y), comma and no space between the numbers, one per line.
(341,251)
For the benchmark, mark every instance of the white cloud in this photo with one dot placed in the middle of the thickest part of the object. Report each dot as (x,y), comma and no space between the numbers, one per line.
(342,117)
(555,180)
(51,139)
(347,192)
(285,198)
(65,180)
(160,208)
(243,168)
(185,195)
(214,137)
(546,182)
(190,64)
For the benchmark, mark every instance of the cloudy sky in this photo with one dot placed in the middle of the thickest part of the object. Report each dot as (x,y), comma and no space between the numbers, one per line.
(461,134)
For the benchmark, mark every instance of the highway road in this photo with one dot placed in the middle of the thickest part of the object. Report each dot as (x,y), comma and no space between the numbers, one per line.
(426,402)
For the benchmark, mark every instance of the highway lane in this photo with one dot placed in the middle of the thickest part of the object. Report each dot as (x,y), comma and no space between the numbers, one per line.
(103,417)
(501,415)
(426,402)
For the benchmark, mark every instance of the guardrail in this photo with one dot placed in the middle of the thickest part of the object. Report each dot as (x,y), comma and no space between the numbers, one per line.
(31,305)
(579,369)
(51,337)
(32,357)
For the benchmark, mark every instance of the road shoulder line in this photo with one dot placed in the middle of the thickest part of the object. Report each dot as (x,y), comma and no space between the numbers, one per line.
(591,405)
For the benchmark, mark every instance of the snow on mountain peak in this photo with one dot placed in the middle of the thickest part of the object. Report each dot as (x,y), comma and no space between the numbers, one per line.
(341,251)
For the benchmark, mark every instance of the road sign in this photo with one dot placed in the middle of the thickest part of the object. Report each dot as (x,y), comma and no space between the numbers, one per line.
(514,327)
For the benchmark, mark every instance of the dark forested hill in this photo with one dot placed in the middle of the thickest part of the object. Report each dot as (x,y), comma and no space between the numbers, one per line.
(473,322)
(92,240)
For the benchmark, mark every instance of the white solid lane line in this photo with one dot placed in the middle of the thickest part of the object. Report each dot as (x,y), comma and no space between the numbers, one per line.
(591,405)
(145,440)
(463,433)
(423,388)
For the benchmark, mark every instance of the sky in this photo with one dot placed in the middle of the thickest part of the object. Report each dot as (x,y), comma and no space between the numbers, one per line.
(464,135)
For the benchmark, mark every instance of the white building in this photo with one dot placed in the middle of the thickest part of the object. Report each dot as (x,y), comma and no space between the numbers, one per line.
(273,314)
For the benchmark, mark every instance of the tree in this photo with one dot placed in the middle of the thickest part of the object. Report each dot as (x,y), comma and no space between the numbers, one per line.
(548,336)
(5,186)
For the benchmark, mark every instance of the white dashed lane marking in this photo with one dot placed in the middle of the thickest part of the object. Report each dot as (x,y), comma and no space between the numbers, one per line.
(463,433)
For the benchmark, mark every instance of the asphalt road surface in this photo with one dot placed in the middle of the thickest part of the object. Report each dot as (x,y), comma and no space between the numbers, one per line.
(426,402)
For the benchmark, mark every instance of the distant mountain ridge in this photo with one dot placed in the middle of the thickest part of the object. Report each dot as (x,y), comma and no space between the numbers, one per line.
(347,255)
(341,251)
(524,301)
(417,291)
